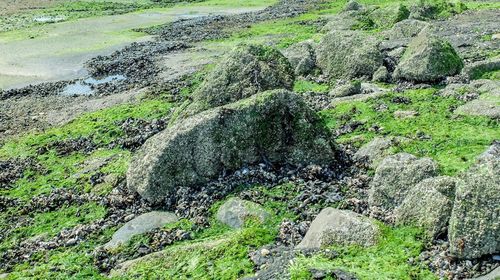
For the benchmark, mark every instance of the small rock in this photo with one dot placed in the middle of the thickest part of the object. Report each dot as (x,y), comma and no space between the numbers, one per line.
(141,224)
(381,75)
(342,227)
(234,212)
(348,89)
(400,114)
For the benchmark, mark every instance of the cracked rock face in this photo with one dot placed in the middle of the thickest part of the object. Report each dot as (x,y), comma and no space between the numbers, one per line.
(276,127)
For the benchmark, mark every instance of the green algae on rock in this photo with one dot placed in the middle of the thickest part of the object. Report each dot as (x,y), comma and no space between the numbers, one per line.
(275,126)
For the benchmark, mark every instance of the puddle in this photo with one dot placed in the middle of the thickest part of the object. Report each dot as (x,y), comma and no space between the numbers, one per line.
(49,19)
(86,86)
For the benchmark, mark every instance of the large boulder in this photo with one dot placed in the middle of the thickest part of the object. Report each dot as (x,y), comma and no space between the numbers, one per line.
(302,57)
(395,176)
(387,16)
(245,71)
(275,126)
(428,59)
(474,228)
(340,227)
(428,205)
(407,28)
(235,212)
(141,224)
(348,55)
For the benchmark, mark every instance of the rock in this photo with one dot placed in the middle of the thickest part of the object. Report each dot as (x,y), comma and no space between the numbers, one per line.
(425,10)
(474,228)
(352,6)
(475,70)
(428,59)
(376,150)
(347,89)
(275,127)
(400,114)
(395,176)
(141,224)
(234,212)
(340,22)
(465,92)
(381,75)
(488,103)
(407,28)
(348,55)
(245,71)
(302,57)
(428,205)
(493,275)
(387,16)
(340,227)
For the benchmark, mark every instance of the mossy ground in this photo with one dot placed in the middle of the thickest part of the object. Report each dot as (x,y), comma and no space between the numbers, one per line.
(453,141)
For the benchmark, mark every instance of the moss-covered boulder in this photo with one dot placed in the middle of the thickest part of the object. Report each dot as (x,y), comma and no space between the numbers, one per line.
(346,89)
(428,205)
(235,212)
(387,16)
(395,176)
(428,59)
(407,28)
(474,228)
(431,9)
(348,55)
(275,126)
(302,57)
(245,71)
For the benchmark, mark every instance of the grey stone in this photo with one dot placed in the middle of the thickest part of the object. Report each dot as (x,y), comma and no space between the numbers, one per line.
(340,22)
(234,212)
(275,126)
(389,15)
(348,55)
(302,57)
(493,275)
(352,6)
(376,150)
(488,103)
(407,28)
(401,114)
(476,69)
(428,59)
(347,89)
(339,227)
(474,228)
(381,75)
(395,176)
(425,10)
(245,71)
(428,205)
(141,224)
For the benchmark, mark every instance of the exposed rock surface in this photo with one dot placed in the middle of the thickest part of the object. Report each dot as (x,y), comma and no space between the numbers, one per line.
(302,57)
(245,71)
(348,55)
(376,150)
(387,16)
(340,227)
(493,275)
(395,176)
(428,59)
(234,212)
(474,228)
(382,75)
(407,28)
(476,69)
(274,127)
(141,224)
(428,205)
(347,89)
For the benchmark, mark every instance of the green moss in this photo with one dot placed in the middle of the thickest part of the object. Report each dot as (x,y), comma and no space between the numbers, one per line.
(453,141)
(386,260)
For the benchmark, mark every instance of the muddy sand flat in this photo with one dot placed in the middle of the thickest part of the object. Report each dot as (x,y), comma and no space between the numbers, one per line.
(58,51)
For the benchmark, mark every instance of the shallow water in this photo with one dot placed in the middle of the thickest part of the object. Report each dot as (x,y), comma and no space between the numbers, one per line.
(85,87)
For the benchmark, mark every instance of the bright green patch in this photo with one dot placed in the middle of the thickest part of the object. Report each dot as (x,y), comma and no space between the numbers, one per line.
(453,141)
(302,86)
(387,260)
